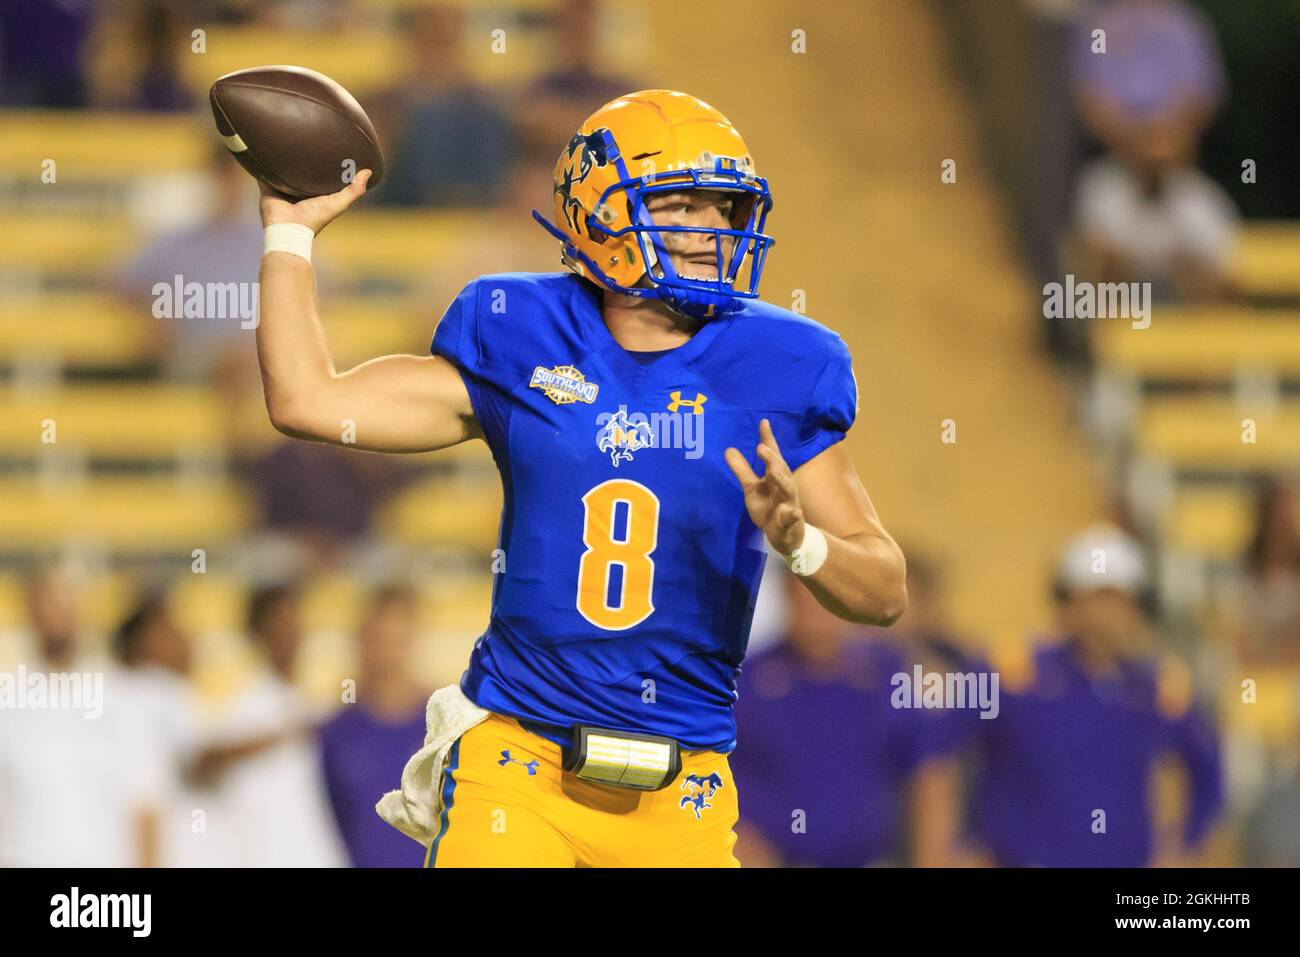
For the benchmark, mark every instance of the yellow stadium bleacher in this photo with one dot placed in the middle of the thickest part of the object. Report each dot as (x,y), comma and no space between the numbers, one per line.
(130,515)
(1268,259)
(1202,343)
(395,244)
(104,332)
(115,422)
(93,146)
(444,512)
(364,62)
(1212,522)
(361,329)
(65,243)
(71,329)
(1216,434)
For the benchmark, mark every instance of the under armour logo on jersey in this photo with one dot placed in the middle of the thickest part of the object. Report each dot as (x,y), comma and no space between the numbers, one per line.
(696,405)
(531,766)
(702,788)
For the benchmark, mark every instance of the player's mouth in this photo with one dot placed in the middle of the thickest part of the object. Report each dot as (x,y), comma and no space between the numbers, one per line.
(705,267)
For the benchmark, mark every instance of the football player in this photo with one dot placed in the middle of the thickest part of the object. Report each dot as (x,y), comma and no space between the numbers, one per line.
(652,421)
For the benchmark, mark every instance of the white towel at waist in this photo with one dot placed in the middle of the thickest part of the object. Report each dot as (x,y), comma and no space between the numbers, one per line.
(416,808)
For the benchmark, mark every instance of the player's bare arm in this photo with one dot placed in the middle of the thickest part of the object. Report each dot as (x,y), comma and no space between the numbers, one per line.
(399,403)
(864,574)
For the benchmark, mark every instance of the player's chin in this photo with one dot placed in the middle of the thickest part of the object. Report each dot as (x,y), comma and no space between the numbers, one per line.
(697,270)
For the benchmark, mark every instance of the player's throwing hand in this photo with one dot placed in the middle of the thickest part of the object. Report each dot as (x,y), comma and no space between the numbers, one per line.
(316,212)
(773,500)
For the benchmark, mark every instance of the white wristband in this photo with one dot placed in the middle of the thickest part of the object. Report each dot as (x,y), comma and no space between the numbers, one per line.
(811,554)
(289,238)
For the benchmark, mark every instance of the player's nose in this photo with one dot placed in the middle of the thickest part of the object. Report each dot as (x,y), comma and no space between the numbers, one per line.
(712,216)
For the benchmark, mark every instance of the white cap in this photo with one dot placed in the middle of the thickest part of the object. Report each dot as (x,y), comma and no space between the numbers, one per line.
(1103,556)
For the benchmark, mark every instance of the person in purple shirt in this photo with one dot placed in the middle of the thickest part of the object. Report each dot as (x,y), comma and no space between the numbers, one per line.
(41,52)
(1083,724)
(828,770)
(1159,72)
(369,741)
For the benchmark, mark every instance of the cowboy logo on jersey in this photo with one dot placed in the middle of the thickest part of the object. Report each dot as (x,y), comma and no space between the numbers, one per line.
(623,434)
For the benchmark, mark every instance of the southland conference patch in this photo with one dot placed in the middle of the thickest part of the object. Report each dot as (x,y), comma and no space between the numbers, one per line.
(563,385)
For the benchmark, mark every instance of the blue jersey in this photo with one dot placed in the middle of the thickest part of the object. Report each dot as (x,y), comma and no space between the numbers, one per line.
(631,564)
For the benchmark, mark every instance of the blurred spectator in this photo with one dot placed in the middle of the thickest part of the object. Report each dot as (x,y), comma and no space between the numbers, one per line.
(1269,605)
(224,248)
(1264,727)
(927,638)
(155,656)
(506,239)
(273,811)
(1070,762)
(136,57)
(1145,213)
(80,784)
(1162,223)
(1272,837)
(925,623)
(41,45)
(1154,87)
(163,40)
(450,138)
(555,104)
(370,741)
(306,15)
(320,499)
(817,734)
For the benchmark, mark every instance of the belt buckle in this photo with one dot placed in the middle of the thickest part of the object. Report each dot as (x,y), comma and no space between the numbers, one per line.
(623,759)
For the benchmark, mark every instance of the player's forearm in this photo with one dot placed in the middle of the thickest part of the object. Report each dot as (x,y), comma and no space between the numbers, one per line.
(291,347)
(863,579)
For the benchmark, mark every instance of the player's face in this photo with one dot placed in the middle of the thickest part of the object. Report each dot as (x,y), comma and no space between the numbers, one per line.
(694,255)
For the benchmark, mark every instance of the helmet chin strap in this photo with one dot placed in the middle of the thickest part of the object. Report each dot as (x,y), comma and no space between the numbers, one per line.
(697,304)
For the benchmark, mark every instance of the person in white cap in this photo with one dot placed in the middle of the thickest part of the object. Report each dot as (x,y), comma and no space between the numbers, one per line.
(1101,584)
(1069,761)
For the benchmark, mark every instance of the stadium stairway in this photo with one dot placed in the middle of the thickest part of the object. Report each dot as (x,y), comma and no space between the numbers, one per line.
(920,279)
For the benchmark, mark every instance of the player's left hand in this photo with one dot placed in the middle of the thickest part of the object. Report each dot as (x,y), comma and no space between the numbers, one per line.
(773,500)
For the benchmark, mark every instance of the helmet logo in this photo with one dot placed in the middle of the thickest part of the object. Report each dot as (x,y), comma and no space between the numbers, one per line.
(583,154)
